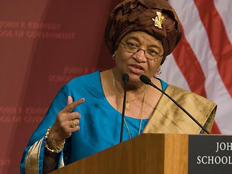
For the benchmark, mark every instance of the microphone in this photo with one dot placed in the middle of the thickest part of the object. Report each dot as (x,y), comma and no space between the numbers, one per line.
(125,79)
(147,81)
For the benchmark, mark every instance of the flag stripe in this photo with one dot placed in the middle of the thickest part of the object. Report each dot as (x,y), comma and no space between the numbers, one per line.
(219,41)
(224,8)
(191,69)
(215,129)
(172,74)
(198,40)
(197,37)
(192,65)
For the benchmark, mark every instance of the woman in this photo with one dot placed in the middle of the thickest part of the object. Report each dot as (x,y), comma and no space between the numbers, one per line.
(85,116)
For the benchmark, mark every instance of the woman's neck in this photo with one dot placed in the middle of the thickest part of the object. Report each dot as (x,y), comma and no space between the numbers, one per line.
(138,97)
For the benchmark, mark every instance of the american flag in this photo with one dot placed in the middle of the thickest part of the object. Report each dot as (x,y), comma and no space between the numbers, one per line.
(202,62)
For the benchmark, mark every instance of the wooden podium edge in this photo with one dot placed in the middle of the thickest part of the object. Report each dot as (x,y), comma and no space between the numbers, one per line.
(165,154)
(129,157)
(176,154)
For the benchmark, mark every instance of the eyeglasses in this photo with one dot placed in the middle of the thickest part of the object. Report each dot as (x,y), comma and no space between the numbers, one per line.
(151,54)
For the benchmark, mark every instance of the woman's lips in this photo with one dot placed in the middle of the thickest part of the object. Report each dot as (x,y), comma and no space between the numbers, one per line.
(136,69)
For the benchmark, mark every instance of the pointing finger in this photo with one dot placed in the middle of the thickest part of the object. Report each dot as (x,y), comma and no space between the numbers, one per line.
(70,100)
(71,106)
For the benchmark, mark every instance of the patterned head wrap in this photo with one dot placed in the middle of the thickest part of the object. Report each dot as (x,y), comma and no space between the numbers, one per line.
(155,17)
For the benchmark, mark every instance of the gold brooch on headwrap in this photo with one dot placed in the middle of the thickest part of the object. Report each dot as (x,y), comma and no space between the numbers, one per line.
(158,20)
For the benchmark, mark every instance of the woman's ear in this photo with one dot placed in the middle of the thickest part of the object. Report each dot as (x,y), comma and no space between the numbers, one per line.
(158,72)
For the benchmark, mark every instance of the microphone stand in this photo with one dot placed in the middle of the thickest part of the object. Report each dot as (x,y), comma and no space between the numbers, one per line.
(125,79)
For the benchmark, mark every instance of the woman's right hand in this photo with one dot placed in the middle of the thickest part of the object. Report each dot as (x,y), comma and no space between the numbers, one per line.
(66,123)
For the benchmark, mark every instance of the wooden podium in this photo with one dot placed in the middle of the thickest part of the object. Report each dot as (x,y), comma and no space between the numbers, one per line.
(144,154)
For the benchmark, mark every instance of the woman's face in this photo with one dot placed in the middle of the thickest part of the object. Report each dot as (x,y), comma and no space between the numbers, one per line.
(138,53)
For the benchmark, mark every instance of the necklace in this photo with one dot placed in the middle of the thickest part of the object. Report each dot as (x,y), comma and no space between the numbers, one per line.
(128,101)
(127,107)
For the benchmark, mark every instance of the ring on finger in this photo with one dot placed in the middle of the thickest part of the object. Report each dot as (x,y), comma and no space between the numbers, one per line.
(74,124)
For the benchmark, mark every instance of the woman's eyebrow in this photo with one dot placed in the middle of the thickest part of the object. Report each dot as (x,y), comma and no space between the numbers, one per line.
(156,47)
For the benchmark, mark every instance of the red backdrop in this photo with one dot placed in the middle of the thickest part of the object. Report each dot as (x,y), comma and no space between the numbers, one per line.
(43,44)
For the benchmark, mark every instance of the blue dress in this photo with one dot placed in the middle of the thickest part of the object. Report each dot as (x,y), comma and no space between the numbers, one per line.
(99,123)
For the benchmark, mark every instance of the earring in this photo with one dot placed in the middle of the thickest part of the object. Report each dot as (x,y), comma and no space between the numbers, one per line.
(114,55)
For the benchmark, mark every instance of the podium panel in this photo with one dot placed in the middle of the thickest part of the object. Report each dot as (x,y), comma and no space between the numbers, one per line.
(145,154)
